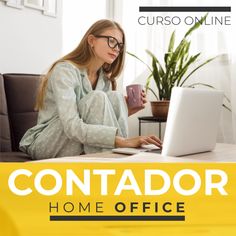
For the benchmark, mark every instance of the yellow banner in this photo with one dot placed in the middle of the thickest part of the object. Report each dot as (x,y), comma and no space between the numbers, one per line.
(117,199)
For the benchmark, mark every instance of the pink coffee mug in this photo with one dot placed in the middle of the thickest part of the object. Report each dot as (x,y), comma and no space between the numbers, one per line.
(134,95)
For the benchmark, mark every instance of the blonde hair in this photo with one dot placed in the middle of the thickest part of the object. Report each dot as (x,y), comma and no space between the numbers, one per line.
(82,55)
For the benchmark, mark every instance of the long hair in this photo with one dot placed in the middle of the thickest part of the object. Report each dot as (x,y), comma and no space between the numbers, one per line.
(82,55)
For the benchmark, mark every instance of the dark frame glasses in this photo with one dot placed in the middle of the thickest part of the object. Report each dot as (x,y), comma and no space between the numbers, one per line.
(112,42)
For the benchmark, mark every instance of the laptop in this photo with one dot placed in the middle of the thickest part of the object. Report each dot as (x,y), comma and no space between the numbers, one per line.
(192,123)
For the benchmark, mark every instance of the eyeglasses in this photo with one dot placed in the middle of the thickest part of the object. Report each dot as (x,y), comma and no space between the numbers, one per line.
(112,42)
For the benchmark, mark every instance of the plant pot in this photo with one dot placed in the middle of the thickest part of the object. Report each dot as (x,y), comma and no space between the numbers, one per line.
(160,109)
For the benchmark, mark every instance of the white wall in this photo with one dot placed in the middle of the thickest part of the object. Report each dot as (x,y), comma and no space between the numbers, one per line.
(29,41)
(78,16)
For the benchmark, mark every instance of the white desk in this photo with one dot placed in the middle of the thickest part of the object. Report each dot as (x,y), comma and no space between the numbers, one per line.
(222,153)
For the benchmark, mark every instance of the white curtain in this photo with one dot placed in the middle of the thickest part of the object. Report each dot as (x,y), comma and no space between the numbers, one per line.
(209,40)
(232,52)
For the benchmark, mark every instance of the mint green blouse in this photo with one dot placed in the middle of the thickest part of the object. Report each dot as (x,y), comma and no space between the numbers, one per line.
(60,130)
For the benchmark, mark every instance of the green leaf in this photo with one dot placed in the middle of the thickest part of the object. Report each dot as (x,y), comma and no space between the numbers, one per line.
(171,68)
(148,81)
(156,77)
(157,61)
(167,58)
(196,25)
(185,55)
(191,60)
(133,55)
(204,63)
(227,108)
(172,42)
(203,84)
(153,93)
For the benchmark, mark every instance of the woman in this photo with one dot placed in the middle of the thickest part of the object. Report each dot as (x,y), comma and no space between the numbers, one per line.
(79,109)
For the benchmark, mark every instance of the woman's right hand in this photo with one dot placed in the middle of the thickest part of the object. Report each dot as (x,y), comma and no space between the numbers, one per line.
(137,141)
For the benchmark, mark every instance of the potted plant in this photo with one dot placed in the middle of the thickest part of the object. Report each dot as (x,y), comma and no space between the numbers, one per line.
(174,71)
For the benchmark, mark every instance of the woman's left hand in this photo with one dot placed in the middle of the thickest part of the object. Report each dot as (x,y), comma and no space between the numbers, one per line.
(131,111)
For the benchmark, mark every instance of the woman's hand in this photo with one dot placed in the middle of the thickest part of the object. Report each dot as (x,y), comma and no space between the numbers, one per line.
(137,141)
(131,111)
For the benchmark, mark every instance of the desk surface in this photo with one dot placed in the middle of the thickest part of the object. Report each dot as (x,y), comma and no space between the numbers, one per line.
(222,153)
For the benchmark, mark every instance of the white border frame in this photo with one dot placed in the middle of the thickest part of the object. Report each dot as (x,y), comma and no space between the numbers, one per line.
(14,3)
(34,6)
(50,12)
